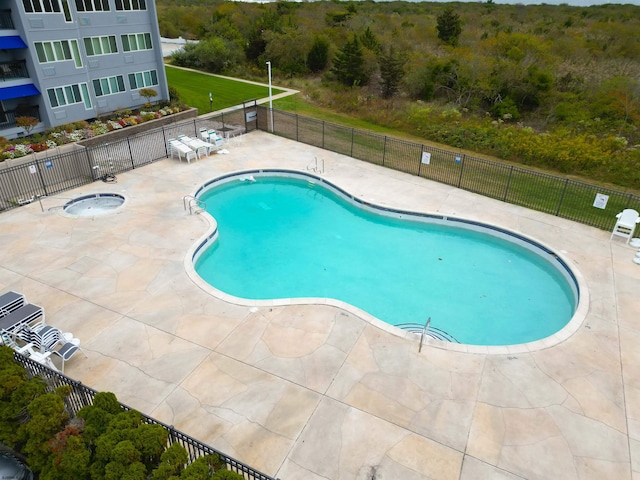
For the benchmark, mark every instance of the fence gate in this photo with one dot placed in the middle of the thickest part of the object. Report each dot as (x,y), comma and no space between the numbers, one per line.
(250,108)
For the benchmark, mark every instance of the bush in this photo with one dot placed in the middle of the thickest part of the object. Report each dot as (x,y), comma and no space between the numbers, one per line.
(103,441)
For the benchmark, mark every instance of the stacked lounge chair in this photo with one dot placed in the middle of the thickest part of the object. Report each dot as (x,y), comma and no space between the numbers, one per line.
(23,328)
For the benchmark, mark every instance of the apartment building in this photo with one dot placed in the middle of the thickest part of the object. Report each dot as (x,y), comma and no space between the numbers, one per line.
(63,61)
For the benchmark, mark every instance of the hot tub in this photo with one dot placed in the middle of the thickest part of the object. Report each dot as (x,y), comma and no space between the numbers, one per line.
(94,204)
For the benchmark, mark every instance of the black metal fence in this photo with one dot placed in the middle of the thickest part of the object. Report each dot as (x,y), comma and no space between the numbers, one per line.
(551,194)
(53,173)
(82,396)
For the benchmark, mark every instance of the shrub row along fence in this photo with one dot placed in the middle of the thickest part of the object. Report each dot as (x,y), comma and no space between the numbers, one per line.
(47,173)
(53,172)
(82,396)
(551,194)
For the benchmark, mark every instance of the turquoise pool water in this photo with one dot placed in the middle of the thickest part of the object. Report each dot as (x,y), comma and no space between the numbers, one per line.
(284,237)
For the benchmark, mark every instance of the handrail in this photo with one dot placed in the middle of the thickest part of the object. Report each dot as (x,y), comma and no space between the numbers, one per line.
(424,332)
(191,201)
(316,168)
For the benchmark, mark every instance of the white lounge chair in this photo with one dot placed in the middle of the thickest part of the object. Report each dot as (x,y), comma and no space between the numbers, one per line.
(65,351)
(626,224)
(20,317)
(200,147)
(182,150)
(10,301)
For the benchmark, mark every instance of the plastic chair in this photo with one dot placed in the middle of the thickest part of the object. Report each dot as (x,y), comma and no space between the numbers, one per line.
(626,224)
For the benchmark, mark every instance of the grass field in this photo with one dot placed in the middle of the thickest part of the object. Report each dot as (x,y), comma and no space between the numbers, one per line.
(194,88)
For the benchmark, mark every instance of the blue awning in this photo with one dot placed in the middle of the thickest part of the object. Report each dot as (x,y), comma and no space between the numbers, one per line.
(10,42)
(17,92)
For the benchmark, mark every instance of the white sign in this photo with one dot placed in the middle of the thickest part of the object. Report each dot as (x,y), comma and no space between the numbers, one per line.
(32,169)
(426,158)
(601,201)
(251,116)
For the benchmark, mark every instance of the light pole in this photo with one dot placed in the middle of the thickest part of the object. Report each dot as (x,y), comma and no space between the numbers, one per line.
(210,102)
(270,99)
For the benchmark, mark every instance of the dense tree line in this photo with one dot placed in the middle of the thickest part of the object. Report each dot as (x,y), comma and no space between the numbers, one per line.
(542,66)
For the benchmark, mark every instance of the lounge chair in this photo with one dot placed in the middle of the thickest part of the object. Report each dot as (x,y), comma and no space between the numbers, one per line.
(626,224)
(204,134)
(9,341)
(43,337)
(216,140)
(195,144)
(10,302)
(20,317)
(182,150)
(65,351)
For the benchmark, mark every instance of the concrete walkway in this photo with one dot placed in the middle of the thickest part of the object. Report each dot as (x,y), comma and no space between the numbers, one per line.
(312,391)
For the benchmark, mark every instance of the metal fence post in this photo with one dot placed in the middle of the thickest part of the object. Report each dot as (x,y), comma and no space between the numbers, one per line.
(352,135)
(461,170)
(133,166)
(44,185)
(420,160)
(166,147)
(323,134)
(297,128)
(566,181)
(384,150)
(506,190)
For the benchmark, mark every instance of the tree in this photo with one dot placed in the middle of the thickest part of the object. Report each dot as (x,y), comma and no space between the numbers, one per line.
(368,40)
(449,26)
(391,71)
(28,123)
(148,93)
(318,55)
(348,64)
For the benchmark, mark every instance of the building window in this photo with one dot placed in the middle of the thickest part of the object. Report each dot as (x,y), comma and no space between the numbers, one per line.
(92,5)
(131,5)
(58,51)
(100,45)
(69,95)
(136,41)
(143,79)
(108,85)
(41,6)
(67,11)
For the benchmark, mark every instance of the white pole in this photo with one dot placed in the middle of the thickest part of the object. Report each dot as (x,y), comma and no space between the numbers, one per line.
(270,98)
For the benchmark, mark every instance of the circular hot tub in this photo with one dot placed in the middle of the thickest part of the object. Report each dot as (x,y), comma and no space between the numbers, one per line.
(94,204)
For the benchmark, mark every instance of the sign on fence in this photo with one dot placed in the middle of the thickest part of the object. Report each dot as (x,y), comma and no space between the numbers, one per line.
(426,158)
(601,201)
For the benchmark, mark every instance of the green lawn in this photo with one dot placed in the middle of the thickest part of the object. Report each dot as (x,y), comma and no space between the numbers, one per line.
(194,88)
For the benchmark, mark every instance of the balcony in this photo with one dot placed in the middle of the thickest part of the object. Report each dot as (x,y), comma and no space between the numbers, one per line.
(6,22)
(13,70)
(8,118)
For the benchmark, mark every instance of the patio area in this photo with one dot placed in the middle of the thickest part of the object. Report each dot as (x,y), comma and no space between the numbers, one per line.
(309,392)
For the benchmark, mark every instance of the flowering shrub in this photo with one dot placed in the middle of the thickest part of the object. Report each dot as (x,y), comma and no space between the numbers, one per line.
(82,130)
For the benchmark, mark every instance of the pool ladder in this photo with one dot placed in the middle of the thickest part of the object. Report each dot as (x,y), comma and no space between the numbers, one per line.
(194,204)
(317,166)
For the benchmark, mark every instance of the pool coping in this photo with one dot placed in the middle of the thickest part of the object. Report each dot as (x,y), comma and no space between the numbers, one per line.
(558,337)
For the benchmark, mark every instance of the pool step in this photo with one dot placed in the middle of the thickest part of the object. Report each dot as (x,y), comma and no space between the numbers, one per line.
(433,332)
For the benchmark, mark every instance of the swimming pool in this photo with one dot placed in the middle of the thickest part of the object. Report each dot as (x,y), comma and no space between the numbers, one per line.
(283,235)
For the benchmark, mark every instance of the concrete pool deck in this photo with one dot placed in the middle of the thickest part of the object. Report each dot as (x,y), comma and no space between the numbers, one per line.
(312,391)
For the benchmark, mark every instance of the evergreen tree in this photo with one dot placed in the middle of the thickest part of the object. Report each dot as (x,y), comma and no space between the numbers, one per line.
(369,40)
(318,55)
(348,64)
(391,71)
(449,26)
